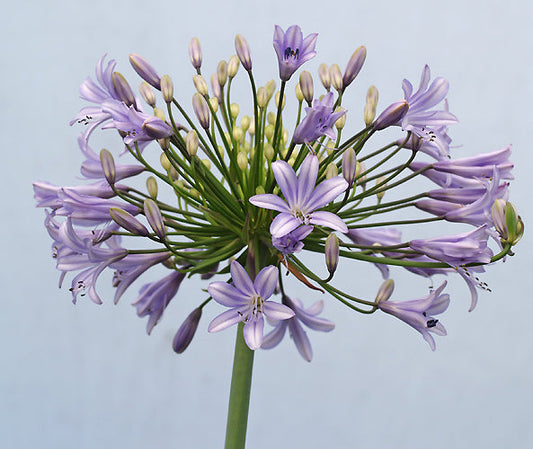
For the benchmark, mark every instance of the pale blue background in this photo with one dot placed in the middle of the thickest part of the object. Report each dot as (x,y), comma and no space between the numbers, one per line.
(86,376)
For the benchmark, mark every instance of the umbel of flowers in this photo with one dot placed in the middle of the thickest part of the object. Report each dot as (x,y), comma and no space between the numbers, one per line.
(241,197)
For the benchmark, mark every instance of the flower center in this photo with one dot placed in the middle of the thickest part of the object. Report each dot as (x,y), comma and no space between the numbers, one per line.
(301,215)
(291,54)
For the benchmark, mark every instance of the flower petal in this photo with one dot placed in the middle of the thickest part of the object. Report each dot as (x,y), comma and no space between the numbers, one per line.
(241,279)
(325,192)
(253,333)
(224,320)
(283,224)
(274,337)
(227,294)
(269,201)
(287,181)
(277,311)
(307,178)
(301,340)
(266,281)
(329,219)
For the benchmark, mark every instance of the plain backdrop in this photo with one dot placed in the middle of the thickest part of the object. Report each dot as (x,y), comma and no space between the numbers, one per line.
(88,376)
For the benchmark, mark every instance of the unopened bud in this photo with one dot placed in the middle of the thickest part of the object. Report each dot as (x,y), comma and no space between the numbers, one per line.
(269,132)
(262,97)
(271,88)
(354,66)
(234,110)
(306,84)
(242,160)
(361,168)
(298,93)
(122,89)
(164,143)
(323,73)
(341,121)
(349,166)
(191,142)
(108,166)
(385,291)
(283,101)
(128,222)
(200,85)
(383,186)
(151,186)
(332,171)
(195,193)
(370,106)
(159,113)
(259,190)
(271,118)
(233,66)
(167,88)
(285,136)
(173,173)
(154,217)
(147,93)
(156,128)
(391,115)
(201,110)
(243,52)
(195,53)
(268,151)
(207,163)
(222,73)
(245,122)
(214,104)
(145,70)
(332,253)
(507,221)
(238,134)
(335,76)
(186,332)
(165,163)
(251,128)
(215,87)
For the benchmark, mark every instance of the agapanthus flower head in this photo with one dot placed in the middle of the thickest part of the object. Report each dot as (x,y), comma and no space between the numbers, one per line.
(418,313)
(318,122)
(292,49)
(248,302)
(302,198)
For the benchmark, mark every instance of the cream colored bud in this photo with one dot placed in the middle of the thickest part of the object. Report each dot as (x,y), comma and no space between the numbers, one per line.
(259,190)
(214,104)
(361,168)
(173,173)
(164,143)
(242,160)
(191,142)
(159,113)
(194,193)
(207,163)
(298,92)
(335,76)
(245,122)
(271,88)
(165,163)
(220,150)
(151,186)
(234,110)
(332,171)
(283,101)
(271,118)
(251,128)
(269,132)
(222,73)
(238,134)
(385,291)
(323,73)
(268,151)
(341,121)
(246,146)
(167,88)
(262,97)
(372,95)
(233,66)
(200,85)
(381,194)
(370,106)
(285,135)
(306,84)
(147,93)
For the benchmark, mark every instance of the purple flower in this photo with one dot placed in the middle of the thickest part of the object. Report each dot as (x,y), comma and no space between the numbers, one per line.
(248,302)
(292,242)
(302,198)
(418,313)
(292,49)
(318,122)
(309,317)
(446,179)
(457,250)
(48,195)
(154,298)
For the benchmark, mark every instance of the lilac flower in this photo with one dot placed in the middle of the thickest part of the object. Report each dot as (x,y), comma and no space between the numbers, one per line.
(154,298)
(292,49)
(248,302)
(418,313)
(309,317)
(302,198)
(457,250)
(377,237)
(48,195)
(444,179)
(318,122)
(292,242)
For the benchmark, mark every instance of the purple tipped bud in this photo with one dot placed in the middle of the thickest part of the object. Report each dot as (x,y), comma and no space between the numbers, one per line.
(354,66)
(167,88)
(108,166)
(222,73)
(145,70)
(323,73)
(306,86)
(156,128)
(186,332)
(385,291)
(195,53)
(123,89)
(391,115)
(128,222)
(349,166)
(154,217)
(147,93)
(335,77)
(243,52)
(332,253)
(201,109)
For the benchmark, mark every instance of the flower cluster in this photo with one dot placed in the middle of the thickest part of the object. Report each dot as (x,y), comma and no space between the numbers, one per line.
(241,196)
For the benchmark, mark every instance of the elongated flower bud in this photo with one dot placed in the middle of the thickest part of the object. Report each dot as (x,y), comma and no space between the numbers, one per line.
(201,109)
(323,73)
(243,52)
(191,141)
(108,166)
(123,89)
(381,193)
(200,85)
(186,332)
(507,221)
(167,88)
(156,128)
(341,121)
(165,163)
(234,110)
(233,66)
(195,53)
(154,217)
(270,86)
(306,84)
(145,70)
(332,253)
(283,100)
(262,97)
(332,171)
(349,166)
(222,73)
(147,93)
(335,77)
(242,160)
(298,92)
(370,106)
(245,122)
(391,115)
(151,187)
(128,222)
(385,291)
(354,66)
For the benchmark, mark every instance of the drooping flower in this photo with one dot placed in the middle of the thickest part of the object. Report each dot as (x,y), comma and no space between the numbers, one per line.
(307,316)
(292,49)
(418,313)
(292,242)
(248,302)
(318,122)
(302,197)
